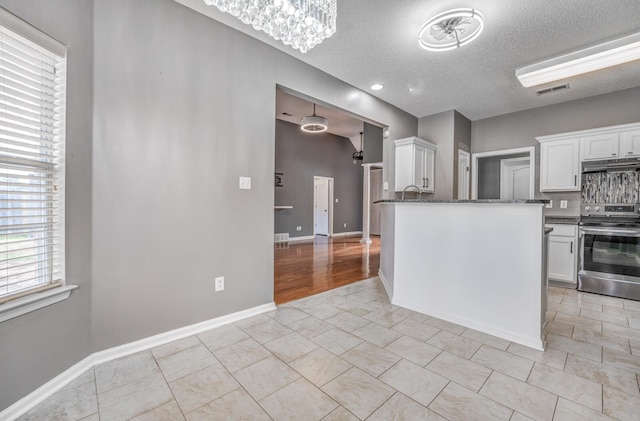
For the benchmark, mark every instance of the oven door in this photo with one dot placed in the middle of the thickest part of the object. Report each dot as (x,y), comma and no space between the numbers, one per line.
(614,251)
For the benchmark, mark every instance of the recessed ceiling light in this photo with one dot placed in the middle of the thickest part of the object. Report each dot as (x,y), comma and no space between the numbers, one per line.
(451,30)
(376,87)
(598,57)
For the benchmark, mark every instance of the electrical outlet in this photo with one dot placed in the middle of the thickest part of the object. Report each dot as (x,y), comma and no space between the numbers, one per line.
(345,225)
(550,204)
(245,183)
(563,204)
(219,283)
(298,228)
(337,200)
(385,185)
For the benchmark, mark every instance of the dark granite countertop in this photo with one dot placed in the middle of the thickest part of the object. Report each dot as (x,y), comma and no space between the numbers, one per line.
(494,201)
(568,220)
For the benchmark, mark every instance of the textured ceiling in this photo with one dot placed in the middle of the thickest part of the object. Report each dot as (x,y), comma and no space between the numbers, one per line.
(376,41)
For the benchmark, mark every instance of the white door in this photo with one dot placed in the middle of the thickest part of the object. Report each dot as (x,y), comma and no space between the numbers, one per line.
(375,194)
(463,174)
(321,204)
(514,179)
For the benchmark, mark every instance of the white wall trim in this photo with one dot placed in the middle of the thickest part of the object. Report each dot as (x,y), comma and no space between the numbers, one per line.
(305,238)
(589,132)
(386,284)
(35,301)
(52,386)
(346,234)
(531,150)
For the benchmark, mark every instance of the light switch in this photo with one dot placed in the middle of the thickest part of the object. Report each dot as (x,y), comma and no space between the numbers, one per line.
(550,204)
(245,183)
(385,185)
(337,200)
(563,204)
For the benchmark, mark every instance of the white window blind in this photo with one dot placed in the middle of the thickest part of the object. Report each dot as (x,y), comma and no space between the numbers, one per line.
(32,118)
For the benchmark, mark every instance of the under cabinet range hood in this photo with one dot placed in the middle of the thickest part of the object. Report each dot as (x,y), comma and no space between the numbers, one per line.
(622,164)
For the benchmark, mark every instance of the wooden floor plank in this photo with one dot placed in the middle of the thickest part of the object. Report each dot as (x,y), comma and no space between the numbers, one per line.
(308,267)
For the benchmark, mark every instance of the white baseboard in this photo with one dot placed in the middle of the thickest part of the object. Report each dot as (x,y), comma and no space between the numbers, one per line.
(36,397)
(386,284)
(308,237)
(346,234)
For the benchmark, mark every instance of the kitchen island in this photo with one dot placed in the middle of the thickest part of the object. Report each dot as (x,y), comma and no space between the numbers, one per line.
(478,263)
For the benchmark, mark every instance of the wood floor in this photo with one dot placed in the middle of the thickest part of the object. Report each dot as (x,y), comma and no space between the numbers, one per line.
(308,267)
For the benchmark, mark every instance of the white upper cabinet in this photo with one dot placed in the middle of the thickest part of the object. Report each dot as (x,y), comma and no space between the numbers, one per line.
(560,165)
(630,142)
(415,164)
(601,146)
(561,154)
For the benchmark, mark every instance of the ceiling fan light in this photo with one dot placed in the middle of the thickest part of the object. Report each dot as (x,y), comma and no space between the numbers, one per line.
(314,124)
(429,42)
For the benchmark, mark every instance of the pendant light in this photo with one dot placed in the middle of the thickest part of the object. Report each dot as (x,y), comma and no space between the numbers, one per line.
(359,156)
(314,123)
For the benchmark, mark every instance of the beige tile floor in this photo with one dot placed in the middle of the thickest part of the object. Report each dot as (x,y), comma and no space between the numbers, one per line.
(349,354)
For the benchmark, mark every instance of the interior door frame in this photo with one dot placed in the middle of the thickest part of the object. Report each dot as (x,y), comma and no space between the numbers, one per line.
(330,210)
(504,167)
(467,174)
(531,150)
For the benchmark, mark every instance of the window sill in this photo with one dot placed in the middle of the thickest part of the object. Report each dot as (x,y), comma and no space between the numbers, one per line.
(34,302)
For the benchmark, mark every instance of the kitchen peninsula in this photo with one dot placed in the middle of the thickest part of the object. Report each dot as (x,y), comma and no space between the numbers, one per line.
(477,263)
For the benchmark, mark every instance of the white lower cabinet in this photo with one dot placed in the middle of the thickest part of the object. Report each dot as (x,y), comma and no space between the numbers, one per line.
(562,260)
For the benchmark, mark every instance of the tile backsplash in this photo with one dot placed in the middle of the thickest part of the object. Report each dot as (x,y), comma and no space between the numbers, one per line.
(611,187)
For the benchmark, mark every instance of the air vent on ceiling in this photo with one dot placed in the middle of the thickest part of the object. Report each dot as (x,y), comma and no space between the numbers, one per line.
(553,89)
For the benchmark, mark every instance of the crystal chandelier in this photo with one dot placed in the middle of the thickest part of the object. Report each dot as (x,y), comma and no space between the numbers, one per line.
(302,24)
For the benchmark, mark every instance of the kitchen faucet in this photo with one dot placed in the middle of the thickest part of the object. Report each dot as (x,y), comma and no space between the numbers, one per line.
(415,187)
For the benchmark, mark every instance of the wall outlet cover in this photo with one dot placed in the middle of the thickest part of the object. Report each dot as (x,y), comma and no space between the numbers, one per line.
(385,185)
(245,183)
(345,225)
(337,200)
(563,204)
(219,283)
(549,205)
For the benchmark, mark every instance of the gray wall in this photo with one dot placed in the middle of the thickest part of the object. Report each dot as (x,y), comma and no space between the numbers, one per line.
(300,156)
(39,345)
(461,140)
(438,128)
(520,129)
(373,143)
(183,107)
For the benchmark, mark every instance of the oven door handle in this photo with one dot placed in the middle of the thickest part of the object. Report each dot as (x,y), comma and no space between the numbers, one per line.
(612,231)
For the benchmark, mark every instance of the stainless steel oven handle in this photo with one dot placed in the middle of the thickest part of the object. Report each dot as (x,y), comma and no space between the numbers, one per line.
(612,231)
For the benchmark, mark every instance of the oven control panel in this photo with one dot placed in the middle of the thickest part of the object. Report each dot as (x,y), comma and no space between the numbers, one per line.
(610,209)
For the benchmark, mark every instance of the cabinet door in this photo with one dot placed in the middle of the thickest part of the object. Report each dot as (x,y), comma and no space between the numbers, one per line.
(419,174)
(429,170)
(405,167)
(631,143)
(562,263)
(560,165)
(601,147)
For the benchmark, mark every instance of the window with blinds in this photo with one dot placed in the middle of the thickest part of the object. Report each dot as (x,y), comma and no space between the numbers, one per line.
(32,119)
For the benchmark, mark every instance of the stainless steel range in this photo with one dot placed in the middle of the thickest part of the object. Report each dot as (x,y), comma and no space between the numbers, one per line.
(610,249)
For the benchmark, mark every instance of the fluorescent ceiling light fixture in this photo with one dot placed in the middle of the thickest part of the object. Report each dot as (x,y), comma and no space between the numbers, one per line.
(314,123)
(601,56)
(451,29)
(302,24)
(377,86)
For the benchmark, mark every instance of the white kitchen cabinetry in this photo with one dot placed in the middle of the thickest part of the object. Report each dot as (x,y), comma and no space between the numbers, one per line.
(560,165)
(415,164)
(601,146)
(562,254)
(630,142)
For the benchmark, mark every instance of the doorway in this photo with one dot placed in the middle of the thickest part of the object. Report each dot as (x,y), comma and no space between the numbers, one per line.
(514,178)
(464,161)
(322,206)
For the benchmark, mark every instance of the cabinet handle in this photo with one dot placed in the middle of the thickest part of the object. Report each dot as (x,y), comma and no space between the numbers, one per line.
(571,248)
(427,183)
(630,153)
(575,180)
(614,154)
